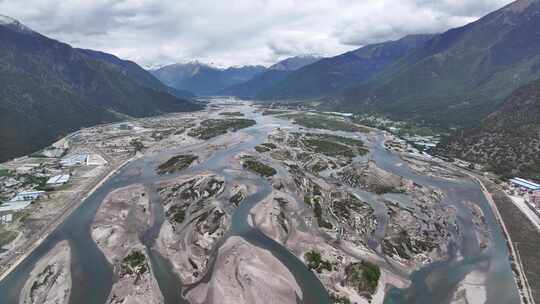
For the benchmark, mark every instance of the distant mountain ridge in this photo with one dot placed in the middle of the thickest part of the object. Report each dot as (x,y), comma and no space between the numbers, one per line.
(137,73)
(203,79)
(50,89)
(294,63)
(15,25)
(274,74)
(461,75)
(330,75)
(452,79)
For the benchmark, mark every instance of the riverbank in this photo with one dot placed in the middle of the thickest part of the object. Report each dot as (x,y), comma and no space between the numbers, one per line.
(72,207)
(515,259)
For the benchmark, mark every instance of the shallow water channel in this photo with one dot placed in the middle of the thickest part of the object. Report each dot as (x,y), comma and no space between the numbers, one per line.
(93,276)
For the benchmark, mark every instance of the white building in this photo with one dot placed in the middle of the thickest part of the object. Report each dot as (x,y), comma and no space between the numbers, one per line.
(26,196)
(95,160)
(18,203)
(74,160)
(58,180)
(14,206)
(6,218)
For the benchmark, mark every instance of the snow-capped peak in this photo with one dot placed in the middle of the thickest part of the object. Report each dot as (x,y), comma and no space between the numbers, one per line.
(5,20)
(14,24)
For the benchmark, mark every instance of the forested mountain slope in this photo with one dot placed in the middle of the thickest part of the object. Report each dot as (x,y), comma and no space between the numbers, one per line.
(50,89)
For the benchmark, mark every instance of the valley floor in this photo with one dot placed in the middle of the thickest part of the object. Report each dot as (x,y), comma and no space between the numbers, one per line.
(238,205)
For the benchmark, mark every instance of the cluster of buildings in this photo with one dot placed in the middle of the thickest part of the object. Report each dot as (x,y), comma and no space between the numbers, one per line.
(27,182)
(530,190)
(74,160)
(23,193)
(19,202)
(423,142)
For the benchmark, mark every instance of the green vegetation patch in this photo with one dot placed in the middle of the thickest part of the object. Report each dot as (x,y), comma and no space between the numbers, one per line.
(176,214)
(307,200)
(261,149)
(273,112)
(328,148)
(334,146)
(159,135)
(134,263)
(363,276)
(256,166)
(39,182)
(282,218)
(214,127)
(314,202)
(265,147)
(316,262)
(337,299)
(231,114)
(177,163)
(319,166)
(353,142)
(325,122)
(5,173)
(384,189)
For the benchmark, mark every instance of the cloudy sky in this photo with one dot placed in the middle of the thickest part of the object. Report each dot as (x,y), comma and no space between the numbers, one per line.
(237,32)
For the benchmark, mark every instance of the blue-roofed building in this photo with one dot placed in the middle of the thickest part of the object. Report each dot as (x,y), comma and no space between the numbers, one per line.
(525,184)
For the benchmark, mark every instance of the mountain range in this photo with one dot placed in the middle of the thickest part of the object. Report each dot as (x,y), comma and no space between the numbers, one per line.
(203,79)
(330,75)
(481,79)
(275,73)
(460,76)
(452,79)
(137,73)
(50,89)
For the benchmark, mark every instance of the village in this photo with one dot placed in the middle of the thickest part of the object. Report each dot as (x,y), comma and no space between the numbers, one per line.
(37,191)
(525,194)
(30,179)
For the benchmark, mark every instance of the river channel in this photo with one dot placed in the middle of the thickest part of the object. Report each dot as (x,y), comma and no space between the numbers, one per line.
(92,275)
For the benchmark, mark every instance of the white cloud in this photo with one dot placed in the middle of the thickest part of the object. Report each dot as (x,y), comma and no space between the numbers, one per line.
(237,32)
